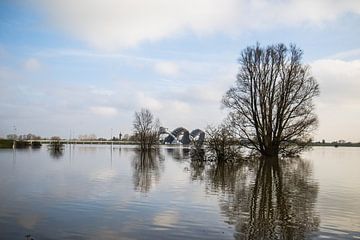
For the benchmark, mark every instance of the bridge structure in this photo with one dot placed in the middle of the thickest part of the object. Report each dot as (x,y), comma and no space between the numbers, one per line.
(181,135)
(66,141)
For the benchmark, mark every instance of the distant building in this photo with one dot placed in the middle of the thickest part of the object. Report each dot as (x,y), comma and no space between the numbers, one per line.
(181,135)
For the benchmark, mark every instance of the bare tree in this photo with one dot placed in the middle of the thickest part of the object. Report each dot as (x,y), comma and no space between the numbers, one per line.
(220,144)
(146,129)
(271,105)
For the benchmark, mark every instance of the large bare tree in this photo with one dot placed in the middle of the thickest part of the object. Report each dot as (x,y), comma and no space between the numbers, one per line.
(146,129)
(271,104)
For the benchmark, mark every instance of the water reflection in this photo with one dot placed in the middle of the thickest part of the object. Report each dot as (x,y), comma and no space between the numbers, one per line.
(146,197)
(282,203)
(146,170)
(56,150)
(179,153)
(270,200)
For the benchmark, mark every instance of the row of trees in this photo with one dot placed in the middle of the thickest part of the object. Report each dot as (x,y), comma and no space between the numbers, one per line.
(270,107)
(28,136)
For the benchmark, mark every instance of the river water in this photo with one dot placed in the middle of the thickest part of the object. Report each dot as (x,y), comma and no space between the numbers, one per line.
(95,192)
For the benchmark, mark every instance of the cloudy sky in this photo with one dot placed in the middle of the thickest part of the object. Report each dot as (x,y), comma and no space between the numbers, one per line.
(85,66)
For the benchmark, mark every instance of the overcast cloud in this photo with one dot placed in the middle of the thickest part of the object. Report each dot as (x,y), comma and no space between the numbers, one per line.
(113,24)
(86,66)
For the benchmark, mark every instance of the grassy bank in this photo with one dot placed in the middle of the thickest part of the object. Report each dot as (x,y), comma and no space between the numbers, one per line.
(334,144)
(6,143)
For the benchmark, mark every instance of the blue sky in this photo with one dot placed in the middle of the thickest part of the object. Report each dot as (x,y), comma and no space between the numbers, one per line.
(86,66)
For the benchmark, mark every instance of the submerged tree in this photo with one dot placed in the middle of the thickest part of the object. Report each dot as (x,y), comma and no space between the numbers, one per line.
(146,129)
(271,105)
(221,145)
(56,147)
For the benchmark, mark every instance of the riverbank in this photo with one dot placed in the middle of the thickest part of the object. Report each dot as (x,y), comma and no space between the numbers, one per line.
(334,144)
(8,143)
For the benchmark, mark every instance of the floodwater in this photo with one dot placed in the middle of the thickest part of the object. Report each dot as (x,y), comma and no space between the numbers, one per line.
(93,192)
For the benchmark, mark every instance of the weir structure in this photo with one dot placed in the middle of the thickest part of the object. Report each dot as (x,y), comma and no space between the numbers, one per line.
(181,135)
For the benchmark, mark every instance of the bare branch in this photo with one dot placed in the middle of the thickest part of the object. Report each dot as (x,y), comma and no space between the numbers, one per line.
(271,103)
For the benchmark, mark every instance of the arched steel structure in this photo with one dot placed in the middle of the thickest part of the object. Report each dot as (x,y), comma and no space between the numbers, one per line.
(198,136)
(181,135)
(178,135)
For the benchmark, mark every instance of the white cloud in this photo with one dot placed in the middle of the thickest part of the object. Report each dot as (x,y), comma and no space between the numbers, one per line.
(339,80)
(338,104)
(347,55)
(166,68)
(101,92)
(32,64)
(145,101)
(104,111)
(180,108)
(113,24)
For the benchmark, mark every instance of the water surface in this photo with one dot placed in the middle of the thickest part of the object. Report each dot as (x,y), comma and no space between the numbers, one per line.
(93,192)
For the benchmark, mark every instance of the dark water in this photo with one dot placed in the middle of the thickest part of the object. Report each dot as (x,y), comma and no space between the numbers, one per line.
(91,192)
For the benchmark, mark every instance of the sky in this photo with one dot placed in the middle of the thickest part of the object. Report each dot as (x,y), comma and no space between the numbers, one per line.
(85,66)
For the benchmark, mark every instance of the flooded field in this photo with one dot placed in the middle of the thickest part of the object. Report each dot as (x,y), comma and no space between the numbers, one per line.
(95,192)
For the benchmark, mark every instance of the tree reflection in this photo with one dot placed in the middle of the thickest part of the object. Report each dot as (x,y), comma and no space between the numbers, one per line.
(270,200)
(179,154)
(56,149)
(146,166)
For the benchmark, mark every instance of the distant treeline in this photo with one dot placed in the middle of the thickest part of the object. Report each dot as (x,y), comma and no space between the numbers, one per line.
(335,144)
(28,136)
(86,137)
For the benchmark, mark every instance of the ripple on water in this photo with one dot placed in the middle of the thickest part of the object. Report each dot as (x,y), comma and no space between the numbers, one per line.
(93,197)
